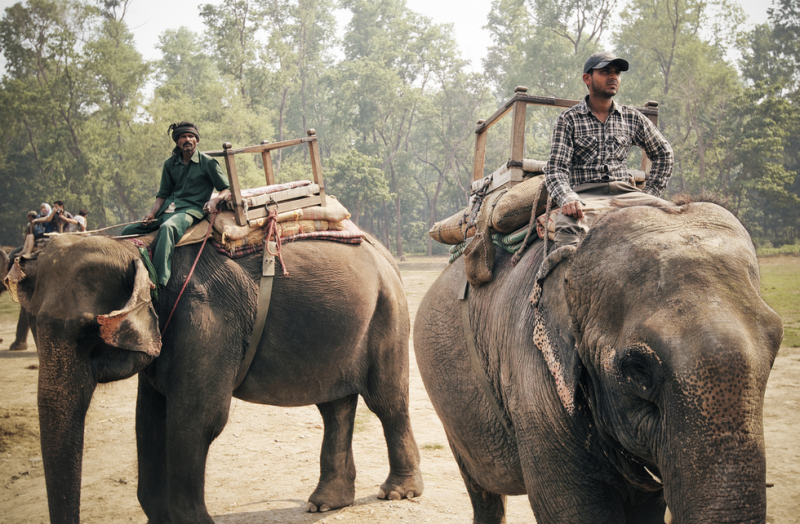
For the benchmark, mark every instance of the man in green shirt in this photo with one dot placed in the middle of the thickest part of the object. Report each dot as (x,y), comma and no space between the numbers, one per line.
(187,180)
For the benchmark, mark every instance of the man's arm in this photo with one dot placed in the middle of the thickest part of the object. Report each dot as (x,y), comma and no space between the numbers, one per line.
(558,167)
(214,172)
(151,215)
(658,150)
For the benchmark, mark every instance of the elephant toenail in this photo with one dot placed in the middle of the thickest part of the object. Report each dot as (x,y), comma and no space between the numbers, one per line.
(410,495)
(312,508)
(394,496)
(324,508)
(381,494)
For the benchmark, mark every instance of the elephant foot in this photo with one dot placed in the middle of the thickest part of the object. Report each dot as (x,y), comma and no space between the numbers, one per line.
(397,487)
(18,346)
(332,495)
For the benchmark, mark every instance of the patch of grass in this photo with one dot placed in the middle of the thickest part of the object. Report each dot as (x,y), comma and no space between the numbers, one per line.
(432,447)
(788,249)
(780,288)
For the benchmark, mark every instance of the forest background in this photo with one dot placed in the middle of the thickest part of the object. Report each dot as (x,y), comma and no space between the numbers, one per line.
(83,116)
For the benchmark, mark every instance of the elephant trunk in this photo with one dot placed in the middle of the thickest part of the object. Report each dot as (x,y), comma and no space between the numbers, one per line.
(722,480)
(65,390)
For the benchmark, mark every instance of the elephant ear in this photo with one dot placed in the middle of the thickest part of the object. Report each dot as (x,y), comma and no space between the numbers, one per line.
(553,333)
(135,326)
(12,282)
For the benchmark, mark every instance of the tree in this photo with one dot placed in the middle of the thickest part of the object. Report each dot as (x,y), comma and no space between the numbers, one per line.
(392,59)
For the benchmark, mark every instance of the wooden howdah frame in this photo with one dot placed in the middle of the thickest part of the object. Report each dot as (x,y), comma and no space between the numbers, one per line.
(517,105)
(283,200)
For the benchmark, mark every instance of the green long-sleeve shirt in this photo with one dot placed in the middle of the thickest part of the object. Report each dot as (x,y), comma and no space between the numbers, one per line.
(190,185)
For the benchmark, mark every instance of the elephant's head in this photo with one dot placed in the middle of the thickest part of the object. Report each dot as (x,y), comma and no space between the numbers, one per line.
(88,301)
(675,346)
(5,265)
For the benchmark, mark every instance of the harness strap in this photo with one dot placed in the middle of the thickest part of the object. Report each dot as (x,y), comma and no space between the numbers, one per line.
(476,363)
(264,296)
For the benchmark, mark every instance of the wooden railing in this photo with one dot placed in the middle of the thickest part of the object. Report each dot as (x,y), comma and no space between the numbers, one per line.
(237,202)
(518,105)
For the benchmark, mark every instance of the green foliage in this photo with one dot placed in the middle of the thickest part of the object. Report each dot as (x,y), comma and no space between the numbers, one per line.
(780,287)
(393,106)
(357,182)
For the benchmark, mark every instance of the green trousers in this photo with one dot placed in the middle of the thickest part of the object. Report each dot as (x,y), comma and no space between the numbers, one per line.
(171,228)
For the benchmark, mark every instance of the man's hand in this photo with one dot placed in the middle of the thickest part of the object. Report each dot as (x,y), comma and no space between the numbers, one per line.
(149,217)
(211,205)
(573,209)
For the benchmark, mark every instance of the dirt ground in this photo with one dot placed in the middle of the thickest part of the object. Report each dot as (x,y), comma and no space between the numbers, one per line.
(265,464)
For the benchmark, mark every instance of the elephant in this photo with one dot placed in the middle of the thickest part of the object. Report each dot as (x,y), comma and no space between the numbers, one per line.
(337,327)
(21,339)
(632,392)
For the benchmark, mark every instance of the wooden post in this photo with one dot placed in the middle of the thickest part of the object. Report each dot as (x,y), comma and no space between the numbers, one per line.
(316,165)
(233,180)
(653,118)
(518,135)
(266,159)
(480,153)
(518,127)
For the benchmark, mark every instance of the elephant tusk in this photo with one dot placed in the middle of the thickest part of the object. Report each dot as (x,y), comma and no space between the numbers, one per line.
(652,475)
(667,516)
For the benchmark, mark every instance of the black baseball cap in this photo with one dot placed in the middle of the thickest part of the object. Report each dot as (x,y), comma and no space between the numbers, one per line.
(602,59)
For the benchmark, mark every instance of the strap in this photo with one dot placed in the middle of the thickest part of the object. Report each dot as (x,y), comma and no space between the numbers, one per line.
(264,296)
(476,363)
(191,272)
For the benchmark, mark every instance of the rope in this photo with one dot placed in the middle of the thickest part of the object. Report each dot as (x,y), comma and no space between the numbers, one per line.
(191,271)
(271,230)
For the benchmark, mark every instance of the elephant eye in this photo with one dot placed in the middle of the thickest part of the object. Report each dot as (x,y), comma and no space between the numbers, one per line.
(639,369)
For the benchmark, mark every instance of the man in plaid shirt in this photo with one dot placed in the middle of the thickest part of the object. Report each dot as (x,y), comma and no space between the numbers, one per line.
(587,167)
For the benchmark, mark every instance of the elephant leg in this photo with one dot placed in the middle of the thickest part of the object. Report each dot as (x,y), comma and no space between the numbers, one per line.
(151,444)
(195,417)
(487,507)
(21,340)
(337,477)
(391,407)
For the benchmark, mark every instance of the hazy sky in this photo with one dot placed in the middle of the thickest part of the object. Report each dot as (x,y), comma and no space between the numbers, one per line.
(149,18)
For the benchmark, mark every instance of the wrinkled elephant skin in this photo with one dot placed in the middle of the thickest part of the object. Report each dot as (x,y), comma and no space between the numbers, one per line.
(648,388)
(337,328)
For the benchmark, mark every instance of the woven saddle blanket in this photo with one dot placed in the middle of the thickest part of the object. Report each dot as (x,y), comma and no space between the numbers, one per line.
(307,223)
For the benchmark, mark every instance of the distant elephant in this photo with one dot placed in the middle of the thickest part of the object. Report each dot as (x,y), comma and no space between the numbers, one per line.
(337,327)
(21,339)
(645,390)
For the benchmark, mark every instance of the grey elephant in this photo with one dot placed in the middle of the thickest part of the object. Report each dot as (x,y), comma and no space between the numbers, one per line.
(337,328)
(642,396)
(21,337)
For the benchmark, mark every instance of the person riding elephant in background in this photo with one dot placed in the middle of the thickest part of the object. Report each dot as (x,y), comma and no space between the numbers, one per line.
(188,179)
(63,219)
(80,218)
(72,223)
(587,167)
(38,225)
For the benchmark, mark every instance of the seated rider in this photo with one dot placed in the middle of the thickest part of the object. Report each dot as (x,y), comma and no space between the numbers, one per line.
(188,178)
(63,220)
(38,225)
(587,167)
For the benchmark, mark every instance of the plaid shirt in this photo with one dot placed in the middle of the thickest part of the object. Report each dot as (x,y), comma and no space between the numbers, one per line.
(585,150)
